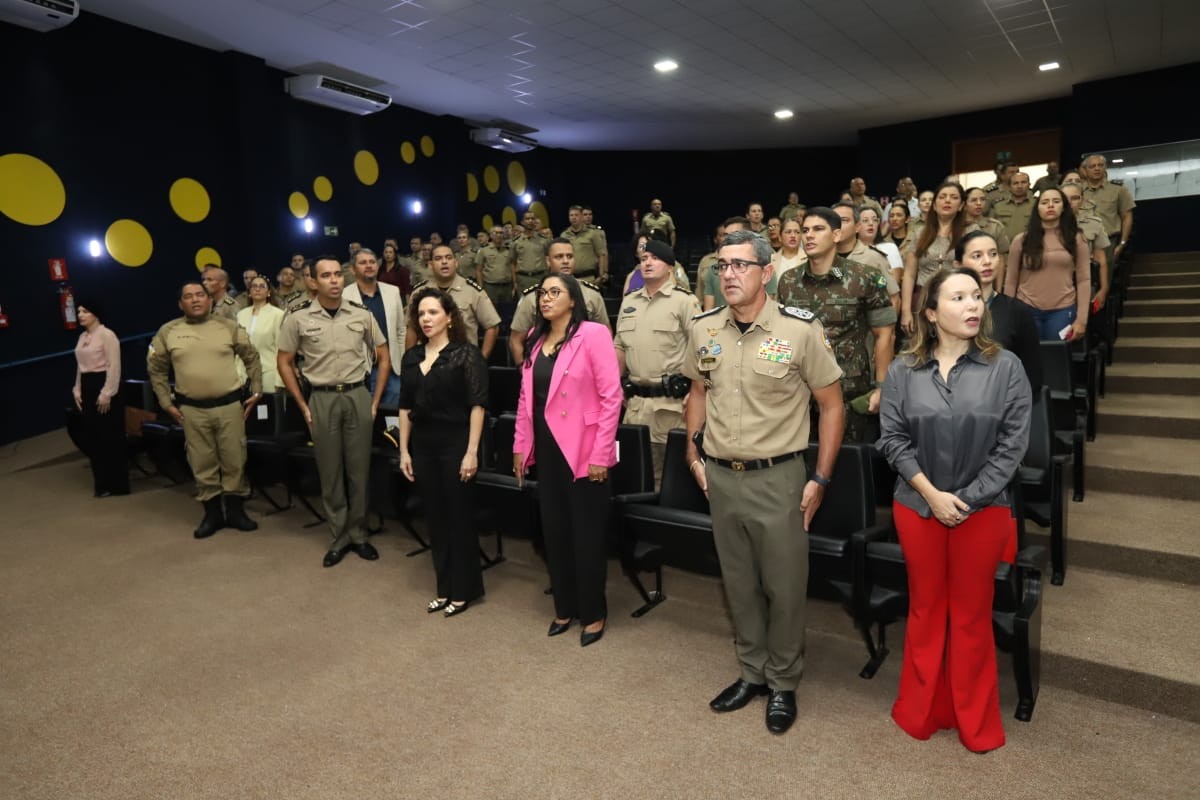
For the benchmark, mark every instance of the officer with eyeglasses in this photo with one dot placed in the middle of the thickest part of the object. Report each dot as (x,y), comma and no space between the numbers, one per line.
(754,365)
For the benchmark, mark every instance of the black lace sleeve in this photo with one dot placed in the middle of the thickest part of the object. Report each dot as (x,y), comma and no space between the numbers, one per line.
(475,375)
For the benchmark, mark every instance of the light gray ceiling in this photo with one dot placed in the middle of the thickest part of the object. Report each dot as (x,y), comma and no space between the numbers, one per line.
(580,71)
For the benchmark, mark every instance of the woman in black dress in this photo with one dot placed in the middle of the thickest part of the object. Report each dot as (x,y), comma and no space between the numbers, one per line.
(443,395)
(97,393)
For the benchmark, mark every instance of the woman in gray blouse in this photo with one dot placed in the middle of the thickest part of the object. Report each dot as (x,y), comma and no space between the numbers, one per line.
(955,424)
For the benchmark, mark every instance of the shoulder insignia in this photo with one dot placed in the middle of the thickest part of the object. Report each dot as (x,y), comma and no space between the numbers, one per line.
(1117,181)
(709,313)
(797,313)
(991,187)
(473,284)
(299,306)
(357,304)
(530,289)
(419,284)
(590,285)
(877,250)
(683,289)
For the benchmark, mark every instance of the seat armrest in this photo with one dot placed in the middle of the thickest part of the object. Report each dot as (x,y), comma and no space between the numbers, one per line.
(647,498)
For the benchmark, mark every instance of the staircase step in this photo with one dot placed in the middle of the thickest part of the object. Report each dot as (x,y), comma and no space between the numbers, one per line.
(1144,465)
(1164,262)
(1162,308)
(1168,416)
(1156,379)
(1141,279)
(1174,292)
(1158,349)
(1160,326)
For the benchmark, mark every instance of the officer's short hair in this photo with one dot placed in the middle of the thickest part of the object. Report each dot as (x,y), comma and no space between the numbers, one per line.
(585,208)
(557,240)
(186,284)
(1090,156)
(575,207)
(842,204)
(366,250)
(762,245)
(738,220)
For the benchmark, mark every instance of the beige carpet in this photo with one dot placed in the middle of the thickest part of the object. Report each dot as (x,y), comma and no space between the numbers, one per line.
(140,663)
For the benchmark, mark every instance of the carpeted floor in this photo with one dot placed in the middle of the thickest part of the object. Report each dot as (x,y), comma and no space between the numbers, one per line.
(140,663)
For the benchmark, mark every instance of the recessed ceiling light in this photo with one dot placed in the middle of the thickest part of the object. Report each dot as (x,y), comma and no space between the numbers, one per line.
(1049,65)
(666,65)
(784,113)
(1131,172)
(1118,161)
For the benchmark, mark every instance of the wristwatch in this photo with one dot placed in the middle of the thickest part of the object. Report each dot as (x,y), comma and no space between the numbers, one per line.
(820,479)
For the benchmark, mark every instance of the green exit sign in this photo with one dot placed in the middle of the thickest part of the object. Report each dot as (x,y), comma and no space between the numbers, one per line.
(331,230)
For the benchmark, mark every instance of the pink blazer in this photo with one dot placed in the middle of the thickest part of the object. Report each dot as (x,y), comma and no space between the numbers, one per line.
(584,406)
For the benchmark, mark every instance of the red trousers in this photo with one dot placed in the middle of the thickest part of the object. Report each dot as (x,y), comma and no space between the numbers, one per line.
(949,678)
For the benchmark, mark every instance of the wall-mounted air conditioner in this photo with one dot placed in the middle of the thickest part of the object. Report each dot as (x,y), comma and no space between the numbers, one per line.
(326,91)
(501,139)
(41,15)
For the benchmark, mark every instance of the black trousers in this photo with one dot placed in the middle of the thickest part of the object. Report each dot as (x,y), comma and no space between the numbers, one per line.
(449,511)
(104,437)
(574,521)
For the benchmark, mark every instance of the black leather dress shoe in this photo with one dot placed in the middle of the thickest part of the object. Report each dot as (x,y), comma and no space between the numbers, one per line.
(366,551)
(586,638)
(557,627)
(737,695)
(334,557)
(781,710)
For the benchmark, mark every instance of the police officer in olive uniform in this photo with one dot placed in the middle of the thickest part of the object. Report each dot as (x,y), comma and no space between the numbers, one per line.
(850,300)
(652,342)
(203,351)
(591,247)
(754,366)
(335,336)
(216,283)
(998,189)
(528,254)
(477,310)
(560,259)
(1015,209)
(494,269)
(1092,228)
(1111,201)
(658,220)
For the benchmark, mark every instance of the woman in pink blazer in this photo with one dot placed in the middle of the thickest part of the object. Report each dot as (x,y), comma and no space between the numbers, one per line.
(567,418)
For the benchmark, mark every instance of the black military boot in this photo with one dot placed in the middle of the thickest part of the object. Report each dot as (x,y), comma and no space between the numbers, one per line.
(235,514)
(214,519)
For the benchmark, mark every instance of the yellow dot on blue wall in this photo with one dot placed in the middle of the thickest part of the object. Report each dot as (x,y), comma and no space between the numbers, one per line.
(516,177)
(298,205)
(472,187)
(408,153)
(206,256)
(488,223)
(31,192)
(323,188)
(189,200)
(542,214)
(427,148)
(128,242)
(366,168)
(491,179)
(509,215)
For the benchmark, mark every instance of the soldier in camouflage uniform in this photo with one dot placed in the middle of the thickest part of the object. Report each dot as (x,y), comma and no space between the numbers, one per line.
(850,300)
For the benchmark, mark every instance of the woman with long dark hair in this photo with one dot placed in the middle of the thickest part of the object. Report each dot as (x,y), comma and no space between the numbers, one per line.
(1049,269)
(567,416)
(934,248)
(898,217)
(392,270)
(97,393)
(443,397)
(955,424)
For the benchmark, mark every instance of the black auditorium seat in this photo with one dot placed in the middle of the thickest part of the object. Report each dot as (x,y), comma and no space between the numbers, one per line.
(1069,407)
(1042,477)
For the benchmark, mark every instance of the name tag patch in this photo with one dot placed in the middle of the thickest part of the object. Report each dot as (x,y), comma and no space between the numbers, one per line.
(777,350)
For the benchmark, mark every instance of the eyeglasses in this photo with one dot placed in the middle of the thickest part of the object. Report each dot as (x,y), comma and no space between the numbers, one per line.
(739,266)
(641,248)
(554,292)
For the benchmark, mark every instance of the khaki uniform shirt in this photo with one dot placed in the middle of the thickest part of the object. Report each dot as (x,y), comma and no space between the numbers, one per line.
(291,298)
(789,212)
(495,264)
(335,348)
(526,315)
(419,272)
(662,222)
(204,356)
(603,235)
(1092,228)
(868,202)
(994,228)
(994,192)
(1014,216)
(226,307)
(589,246)
(1110,201)
(1044,182)
(870,257)
(759,382)
(529,254)
(476,307)
(466,261)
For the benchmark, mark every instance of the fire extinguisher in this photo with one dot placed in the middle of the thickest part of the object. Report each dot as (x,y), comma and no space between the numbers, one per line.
(66,303)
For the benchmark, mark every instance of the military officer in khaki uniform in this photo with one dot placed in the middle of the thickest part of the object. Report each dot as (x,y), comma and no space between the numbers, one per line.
(754,366)
(851,301)
(658,220)
(998,189)
(290,288)
(1092,228)
(1014,210)
(203,350)
(792,209)
(335,335)
(858,197)
(652,342)
(560,259)
(529,254)
(850,248)
(494,269)
(477,310)
(1048,181)
(216,283)
(587,222)
(1112,202)
(591,248)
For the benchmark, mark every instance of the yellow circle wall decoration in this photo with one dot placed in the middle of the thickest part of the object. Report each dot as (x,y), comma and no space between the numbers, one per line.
(128,242)
(516,177)
(509,215)
(491,179)
(298,205)
(31,192)
(366,168)
(206,256)
(189,200)
(323,188)
(408,153)
(542,214)
(472,187)
(488,223)
(427,148)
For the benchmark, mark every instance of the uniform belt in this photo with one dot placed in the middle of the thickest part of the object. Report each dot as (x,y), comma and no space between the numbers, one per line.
(215,402)
(757,463)
(535,272)
(636,390)
(339,387)
(498,283)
